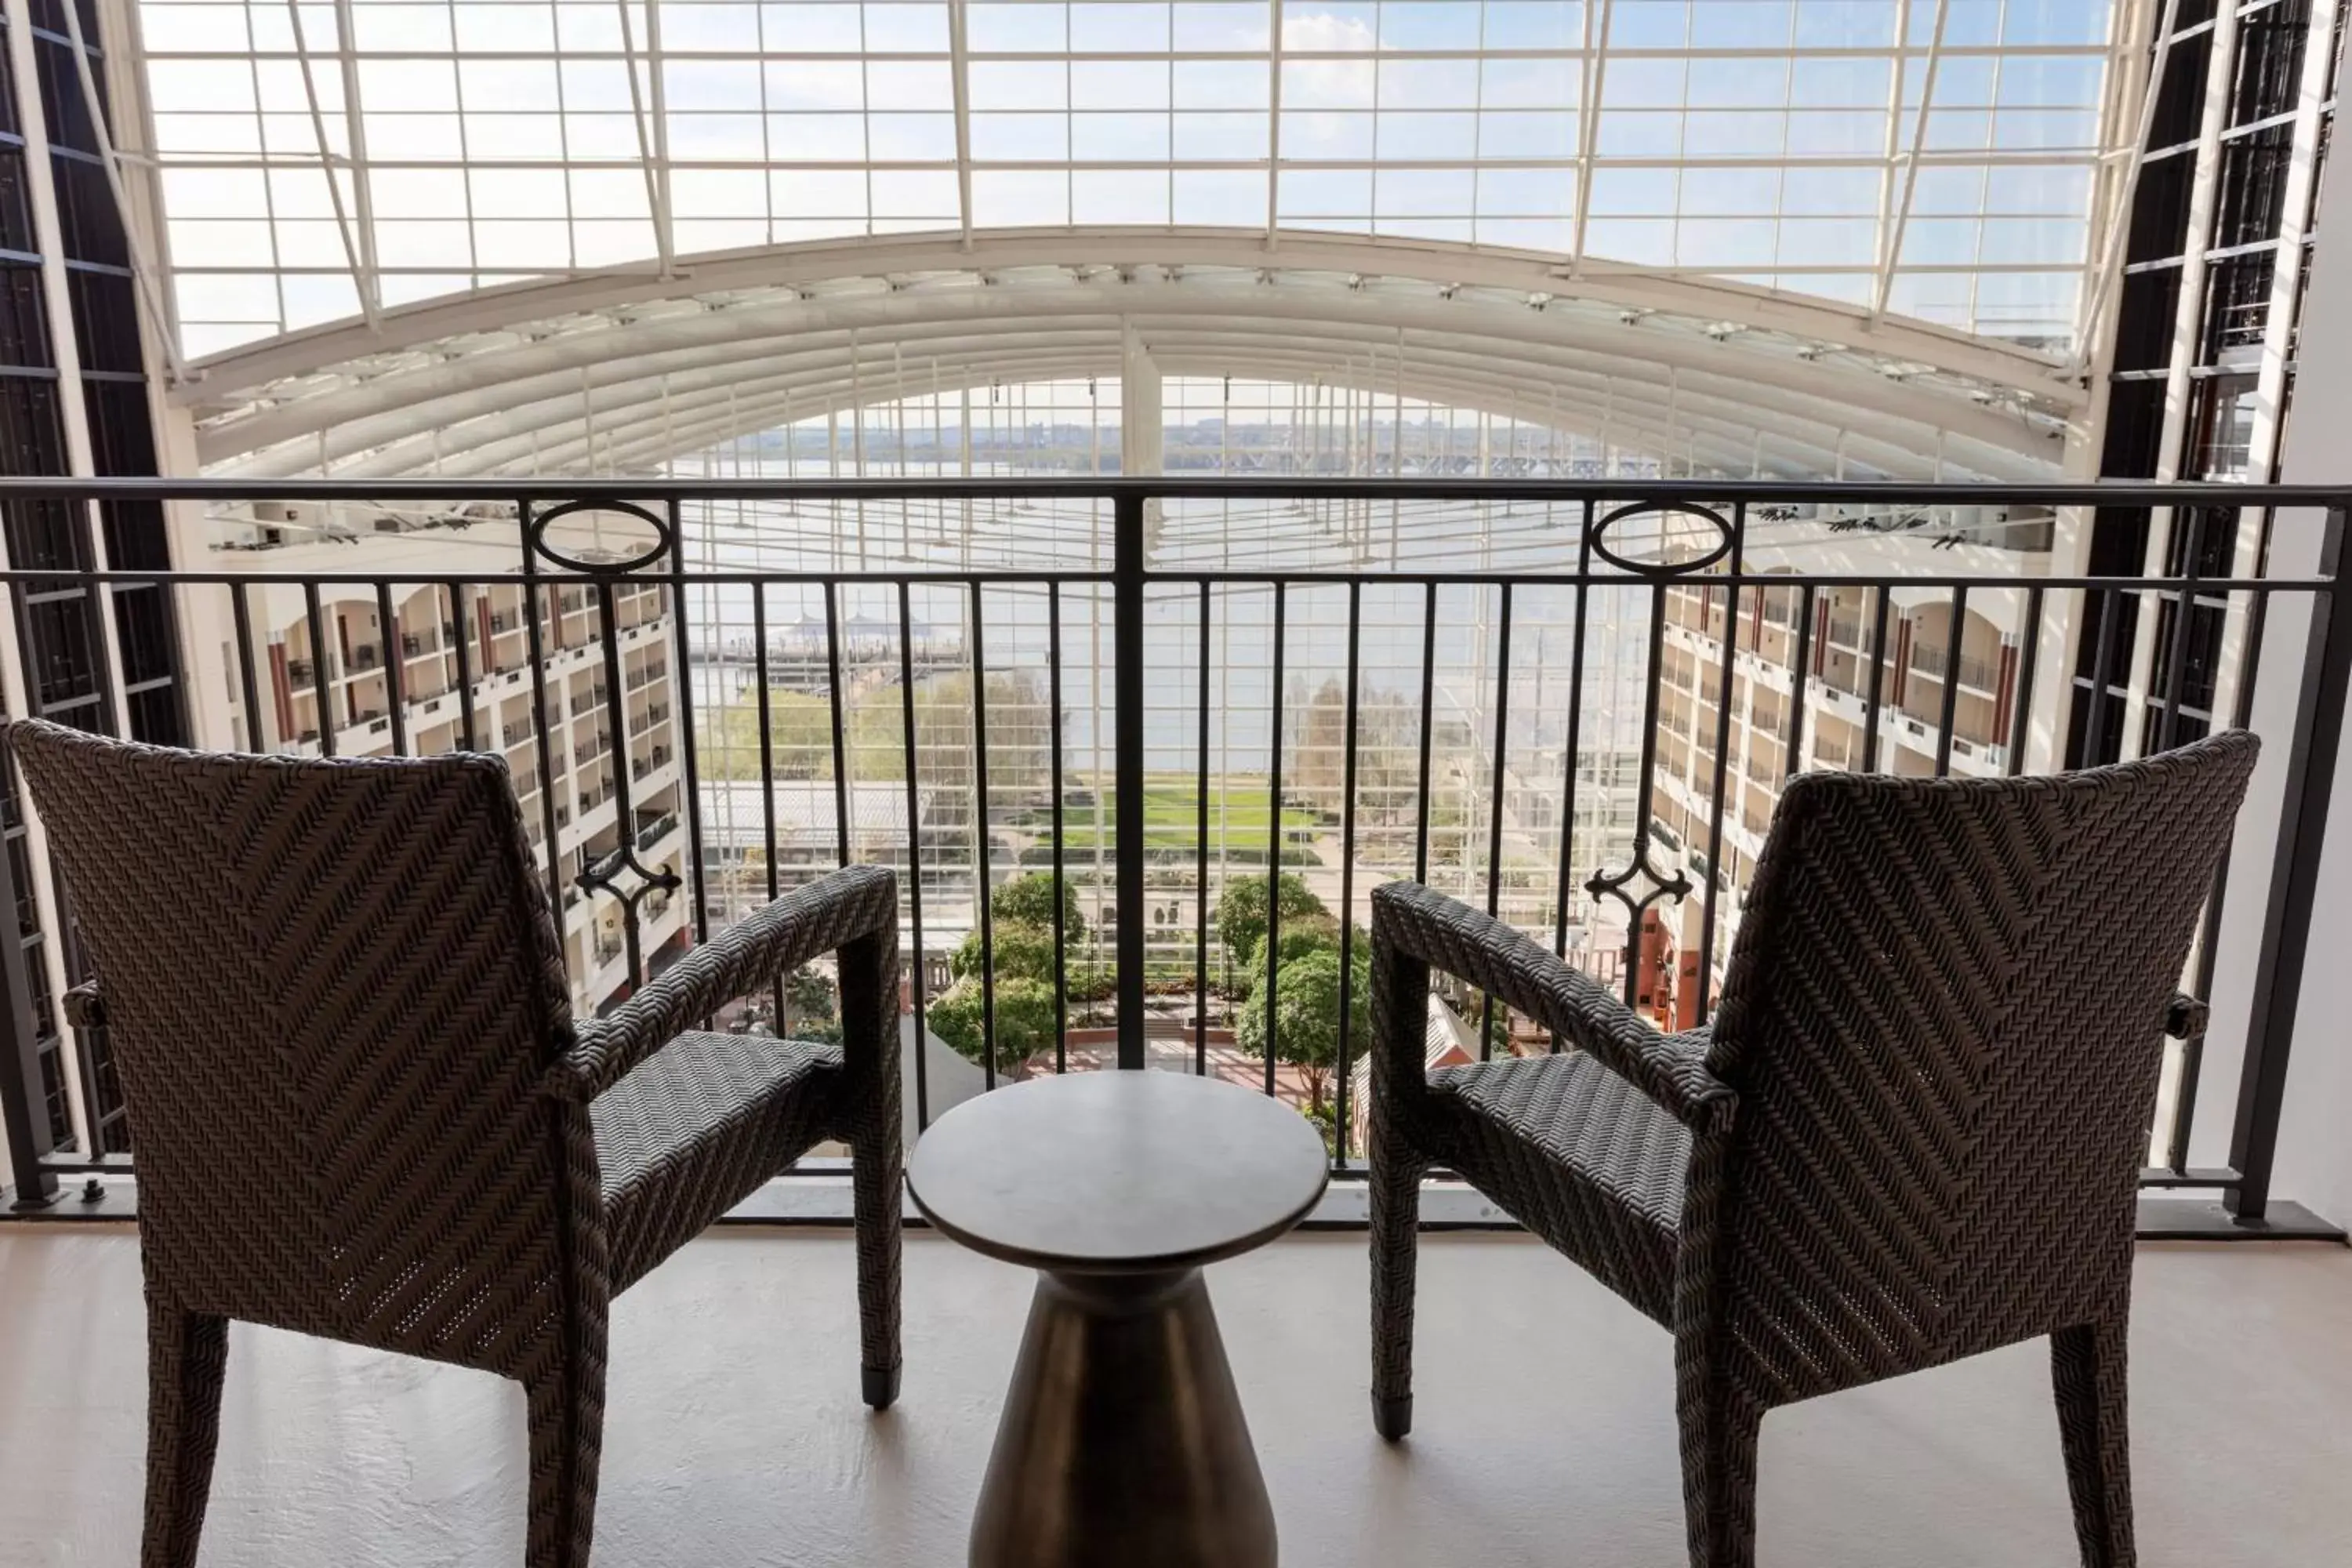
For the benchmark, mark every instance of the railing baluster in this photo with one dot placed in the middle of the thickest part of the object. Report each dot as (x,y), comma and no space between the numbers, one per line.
(624,782)
(689,766)
(1653,679)
(1428,719)
(1201,869)
(2192,1056)
(241,613)
(321,705)
(1127,575)
(1274,832)
(1877,678)
(460,609)
(2184,610)
(1950,702)
(1573,745)
(837,700)
(1798,672)
(2094,730)
(531,602)
(1061,884)
(1715,878)
(2028,664)
(683,704)
(1348,870)
(982,867)
(913,847)
(764,699)
(396,670)
(1495,802)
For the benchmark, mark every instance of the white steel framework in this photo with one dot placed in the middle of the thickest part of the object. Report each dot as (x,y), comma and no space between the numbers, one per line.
(1936,160)
(604,374)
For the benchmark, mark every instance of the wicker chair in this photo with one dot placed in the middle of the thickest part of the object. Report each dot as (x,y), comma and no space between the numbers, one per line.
(363,1109)
(1913,1131)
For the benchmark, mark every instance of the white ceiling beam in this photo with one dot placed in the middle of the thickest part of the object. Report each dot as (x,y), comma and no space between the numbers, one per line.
(1274,123)
(959,84)
(368,413)
(653,151)
(1468,378)
(1438,262)
(330,168)
(1588,124)
(1892,239)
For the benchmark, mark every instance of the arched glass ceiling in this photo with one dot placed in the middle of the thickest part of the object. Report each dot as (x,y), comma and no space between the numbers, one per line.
(1725,380)
(1940,160)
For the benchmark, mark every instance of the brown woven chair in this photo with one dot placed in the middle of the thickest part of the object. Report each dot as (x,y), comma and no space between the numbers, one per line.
(363,1110)
(1912,1133)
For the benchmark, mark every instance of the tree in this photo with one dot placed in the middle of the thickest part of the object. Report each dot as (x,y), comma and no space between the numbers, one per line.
(1022,931)
(1318,749)
(800,736)
(1021,945)
(1307,1012)
(1022,952)
(810,1011)
(1300,935)
(1028,899)
(1018,714)
(1024,1021)
(1241,911)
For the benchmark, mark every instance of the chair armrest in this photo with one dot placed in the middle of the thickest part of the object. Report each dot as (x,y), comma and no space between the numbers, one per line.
(1436,931)
(857,903)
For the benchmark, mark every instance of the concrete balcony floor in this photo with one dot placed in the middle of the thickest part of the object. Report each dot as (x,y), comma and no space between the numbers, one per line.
(1547,1436)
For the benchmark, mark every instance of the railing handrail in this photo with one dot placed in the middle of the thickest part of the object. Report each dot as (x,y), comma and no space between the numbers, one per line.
(1987,492)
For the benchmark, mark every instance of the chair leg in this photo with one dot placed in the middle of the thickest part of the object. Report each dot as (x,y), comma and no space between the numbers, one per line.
(876,1164)
(567,1439)
(1396,1229)
(2086,1366)
(1718,1443)
(187,1363)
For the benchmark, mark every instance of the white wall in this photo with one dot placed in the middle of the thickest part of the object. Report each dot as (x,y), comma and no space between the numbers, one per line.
(2315,1159)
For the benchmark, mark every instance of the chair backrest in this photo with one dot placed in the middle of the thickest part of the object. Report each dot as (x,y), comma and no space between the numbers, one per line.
(1944,1015)
(333,990)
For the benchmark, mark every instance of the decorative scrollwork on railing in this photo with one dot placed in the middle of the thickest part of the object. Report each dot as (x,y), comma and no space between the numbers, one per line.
(664,537)
(1598,536)
(603,877)
(1614,884)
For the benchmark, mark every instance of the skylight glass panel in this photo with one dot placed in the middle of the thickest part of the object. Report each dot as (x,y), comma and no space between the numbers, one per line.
(1795,144)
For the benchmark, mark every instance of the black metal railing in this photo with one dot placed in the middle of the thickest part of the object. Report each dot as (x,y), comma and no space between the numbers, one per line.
(1148,727)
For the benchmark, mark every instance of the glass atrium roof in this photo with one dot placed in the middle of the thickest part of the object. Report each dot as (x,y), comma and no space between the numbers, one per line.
(1946,162)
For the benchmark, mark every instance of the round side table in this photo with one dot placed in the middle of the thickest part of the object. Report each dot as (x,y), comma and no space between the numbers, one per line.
(1122,1442)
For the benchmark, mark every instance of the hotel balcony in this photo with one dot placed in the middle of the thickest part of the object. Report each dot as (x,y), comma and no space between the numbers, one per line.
(1139,734)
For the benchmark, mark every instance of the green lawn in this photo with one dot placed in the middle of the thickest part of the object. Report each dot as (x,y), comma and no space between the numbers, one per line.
(1172,810)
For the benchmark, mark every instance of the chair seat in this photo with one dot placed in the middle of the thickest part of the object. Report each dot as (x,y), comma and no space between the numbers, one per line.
(1580,1157)
(695,1128)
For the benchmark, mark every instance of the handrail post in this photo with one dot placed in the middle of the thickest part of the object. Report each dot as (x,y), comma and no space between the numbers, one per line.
(1127,599)
(2317,738)
(27,1131)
